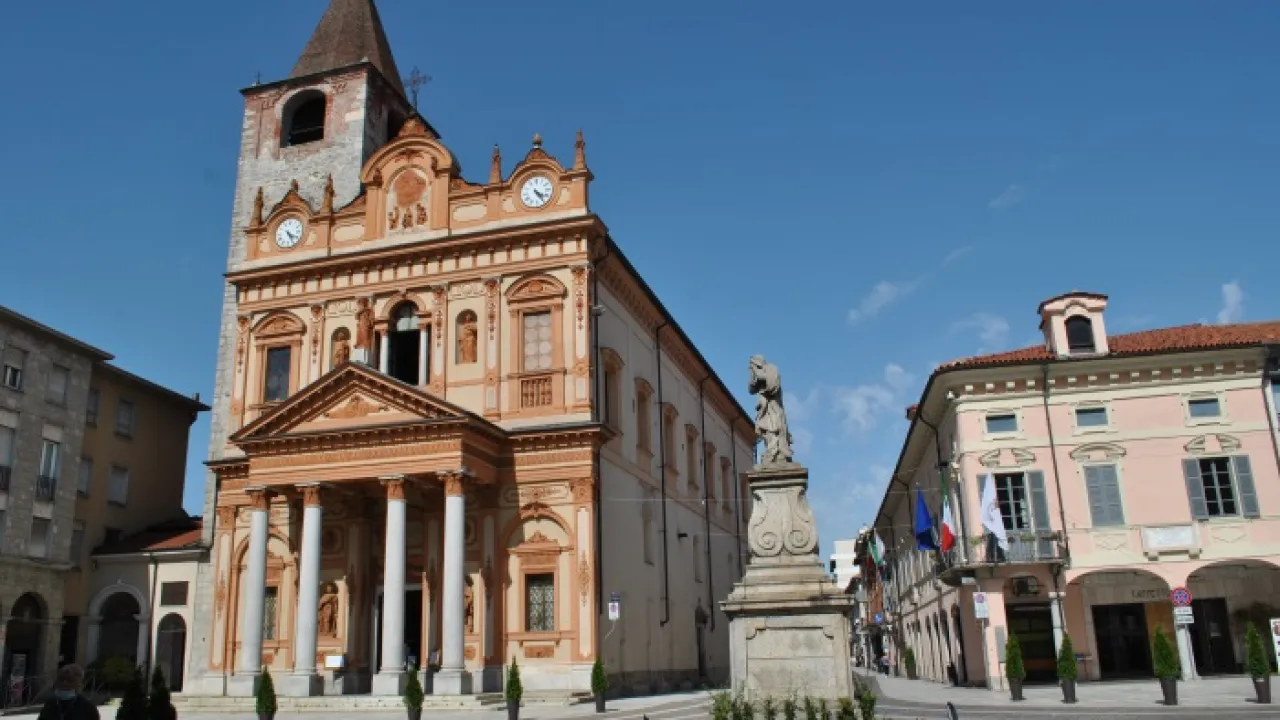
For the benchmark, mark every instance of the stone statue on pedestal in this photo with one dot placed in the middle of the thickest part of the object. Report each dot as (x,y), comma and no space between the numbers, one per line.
(771,417)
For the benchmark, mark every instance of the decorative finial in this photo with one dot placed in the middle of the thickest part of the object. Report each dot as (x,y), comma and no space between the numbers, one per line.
(495,169)
(537,140)
(580,153)
(256,219)
(327,206)
(414,82)
(293,185)
(257,78)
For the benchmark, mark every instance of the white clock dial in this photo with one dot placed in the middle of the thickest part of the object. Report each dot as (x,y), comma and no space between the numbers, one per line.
(289,233)
(536,192)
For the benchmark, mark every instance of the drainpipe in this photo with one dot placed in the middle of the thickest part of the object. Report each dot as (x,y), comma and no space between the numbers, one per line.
(662,452)
(737,494)
(597,380)
(706,505)
(1057,477)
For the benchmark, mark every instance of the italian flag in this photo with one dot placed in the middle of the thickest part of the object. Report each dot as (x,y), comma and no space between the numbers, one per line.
(948,526)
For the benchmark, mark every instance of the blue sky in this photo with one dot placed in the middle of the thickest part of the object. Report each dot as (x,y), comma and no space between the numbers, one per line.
(857,190)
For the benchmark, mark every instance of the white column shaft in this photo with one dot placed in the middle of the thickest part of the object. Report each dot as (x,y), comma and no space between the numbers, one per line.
(1182,633)
(393,589)
(424,345)
(308,592)
(255,583)
(144,638)
(454,591)
(1055,609)
(384,352)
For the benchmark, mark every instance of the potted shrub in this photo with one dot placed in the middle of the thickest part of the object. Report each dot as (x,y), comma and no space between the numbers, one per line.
(1067,670)
(867,704)
(413,695)
(1014,672)
(160,705)
(909,659)
(722,706)
(513,691)
(1258,665)
(1165,659)
(133,706)
(265,700)
(599,684)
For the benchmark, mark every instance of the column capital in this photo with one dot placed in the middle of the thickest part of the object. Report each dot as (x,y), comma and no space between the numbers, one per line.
(583,490)
(394,485)
(259,497)
(311,494)
(452,480)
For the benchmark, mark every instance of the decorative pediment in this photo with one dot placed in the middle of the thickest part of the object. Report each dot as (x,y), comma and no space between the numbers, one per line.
(351,396)
(1009,457)
(538,287)
(278,324)
(1212,444)
(1095,452)
(292,200)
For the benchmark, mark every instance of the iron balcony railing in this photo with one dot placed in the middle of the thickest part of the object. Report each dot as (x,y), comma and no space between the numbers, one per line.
(46,488)
(1025,547)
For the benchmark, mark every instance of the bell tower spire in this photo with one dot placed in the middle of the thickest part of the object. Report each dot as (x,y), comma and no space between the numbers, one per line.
(349,33)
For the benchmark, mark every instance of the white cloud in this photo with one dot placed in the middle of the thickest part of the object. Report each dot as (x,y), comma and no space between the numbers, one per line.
(861,407)
(993,330)
(883,295)
(897,378)
(1012,195)
(1232,303)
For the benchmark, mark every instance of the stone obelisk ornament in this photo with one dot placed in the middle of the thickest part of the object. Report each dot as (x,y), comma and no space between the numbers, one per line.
(788,622)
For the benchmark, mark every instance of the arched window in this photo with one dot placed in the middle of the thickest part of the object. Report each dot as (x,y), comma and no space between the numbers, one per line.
(1080,334)
(171,649)
(403,343)
(303,120)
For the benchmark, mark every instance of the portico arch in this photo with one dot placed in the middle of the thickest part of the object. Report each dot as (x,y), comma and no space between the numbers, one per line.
(1115,613)
(106,613)
(1228,595)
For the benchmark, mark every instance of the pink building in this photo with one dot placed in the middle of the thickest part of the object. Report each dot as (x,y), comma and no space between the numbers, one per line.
(1125,466)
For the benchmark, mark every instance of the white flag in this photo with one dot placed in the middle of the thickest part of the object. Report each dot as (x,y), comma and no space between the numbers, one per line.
(992,520)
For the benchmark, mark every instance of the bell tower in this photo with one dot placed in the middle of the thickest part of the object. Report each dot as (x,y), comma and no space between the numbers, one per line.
(341,102)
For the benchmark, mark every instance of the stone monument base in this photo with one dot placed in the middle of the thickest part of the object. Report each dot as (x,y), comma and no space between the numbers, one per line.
(788,621)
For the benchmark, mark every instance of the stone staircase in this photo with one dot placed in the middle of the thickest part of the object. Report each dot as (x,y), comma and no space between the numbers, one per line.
(336,703)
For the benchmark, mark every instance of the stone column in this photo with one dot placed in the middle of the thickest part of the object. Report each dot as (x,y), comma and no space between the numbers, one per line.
(424,348)
(1182,633)
(1055,609)
(92,641)
(453,678)
(144,639)
(305,682)
(390,679)
(384,350)
(244,682)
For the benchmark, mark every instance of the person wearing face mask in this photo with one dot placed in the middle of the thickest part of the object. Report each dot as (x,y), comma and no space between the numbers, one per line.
(67,703)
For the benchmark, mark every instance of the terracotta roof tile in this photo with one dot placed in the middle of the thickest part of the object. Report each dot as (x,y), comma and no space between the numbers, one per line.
(350,32)
(1146,342)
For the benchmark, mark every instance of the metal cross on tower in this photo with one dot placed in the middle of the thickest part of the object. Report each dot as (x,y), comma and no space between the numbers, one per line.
(414,83)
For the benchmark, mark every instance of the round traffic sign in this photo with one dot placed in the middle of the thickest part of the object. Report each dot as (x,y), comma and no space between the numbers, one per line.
(1181,597)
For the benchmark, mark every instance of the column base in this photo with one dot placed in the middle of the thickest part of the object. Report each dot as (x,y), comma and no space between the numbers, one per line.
(452,681)
(302,685)
(390,683)
(242,685)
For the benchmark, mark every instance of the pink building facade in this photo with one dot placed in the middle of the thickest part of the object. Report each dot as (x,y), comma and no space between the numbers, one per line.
(1125,466)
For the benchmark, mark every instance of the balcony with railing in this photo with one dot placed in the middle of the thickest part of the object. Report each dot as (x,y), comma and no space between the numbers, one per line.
(1025,548)
(46,488)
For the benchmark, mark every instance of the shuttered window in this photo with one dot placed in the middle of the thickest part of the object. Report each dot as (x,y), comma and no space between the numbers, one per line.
(1103,485)
(1220,487)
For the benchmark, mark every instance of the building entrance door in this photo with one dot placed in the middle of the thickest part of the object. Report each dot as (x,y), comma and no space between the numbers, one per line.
(1123,645)
(1033,624)
(1211,638)
(412,639)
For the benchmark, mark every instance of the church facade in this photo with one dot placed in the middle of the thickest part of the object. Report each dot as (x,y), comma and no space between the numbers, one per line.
(452,423)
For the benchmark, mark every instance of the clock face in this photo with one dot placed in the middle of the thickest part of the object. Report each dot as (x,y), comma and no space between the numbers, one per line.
(289,233)
(536,192)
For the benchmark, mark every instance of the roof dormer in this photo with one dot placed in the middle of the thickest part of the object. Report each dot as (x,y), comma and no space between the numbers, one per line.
(1072,324)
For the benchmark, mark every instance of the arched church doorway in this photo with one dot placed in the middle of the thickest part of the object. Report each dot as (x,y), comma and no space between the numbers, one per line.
(404,345)
(118,636)
(171,649)
(23,654)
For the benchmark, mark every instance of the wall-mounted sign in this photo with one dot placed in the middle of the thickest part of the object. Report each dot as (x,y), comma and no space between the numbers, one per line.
(980,609)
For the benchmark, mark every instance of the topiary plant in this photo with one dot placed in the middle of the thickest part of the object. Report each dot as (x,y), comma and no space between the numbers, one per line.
(265,700)
(769,708)
(413,695)
(514,690)
(1164,657)
(1013,669)
(160,705)
(909,659)
(867,704)
(722,706)
(1256,663)
(790,708)
(133,706)
(117,673)
(599,680)
(1067,669)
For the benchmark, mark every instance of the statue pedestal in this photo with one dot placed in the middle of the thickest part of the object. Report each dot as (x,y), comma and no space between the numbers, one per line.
(788,621)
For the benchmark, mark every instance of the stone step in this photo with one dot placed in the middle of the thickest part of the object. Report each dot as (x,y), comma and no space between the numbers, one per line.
(338,703)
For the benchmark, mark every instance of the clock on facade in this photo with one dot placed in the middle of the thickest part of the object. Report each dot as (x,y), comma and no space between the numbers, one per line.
(536,191)
(289,233)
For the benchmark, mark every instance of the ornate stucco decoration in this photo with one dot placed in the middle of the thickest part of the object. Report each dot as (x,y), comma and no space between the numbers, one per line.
(1096,452)
(1213,443)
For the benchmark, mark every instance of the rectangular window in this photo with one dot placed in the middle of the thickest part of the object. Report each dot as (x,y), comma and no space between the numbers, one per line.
(7,435)
(118,486)
(15,365)
(270,607)
(84,478)
(91,411)
(125,418)
(540,602)
(111,536)
(59,377)
(612,396)
(38,545)
(173,593)
(1204,408)
(1103,485)
(50,463)
(279,362)
(77,543)
(1013,500)
(1219,492)
(536,340)
(1006,423)
(1091,417)
(644,421)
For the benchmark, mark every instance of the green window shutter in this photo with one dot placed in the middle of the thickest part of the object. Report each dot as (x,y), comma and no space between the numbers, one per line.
(1195,489)
(1244,485)
(1097,496)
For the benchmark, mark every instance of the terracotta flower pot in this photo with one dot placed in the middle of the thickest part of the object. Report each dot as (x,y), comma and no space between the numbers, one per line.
(1015,689)
(1069,691)
(1169,686)
(1262,686)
